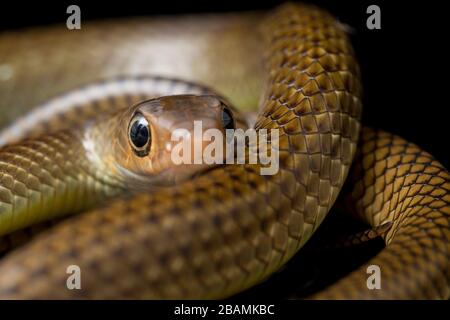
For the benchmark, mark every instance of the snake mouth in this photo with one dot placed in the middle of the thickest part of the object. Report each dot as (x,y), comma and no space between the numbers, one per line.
(208,169)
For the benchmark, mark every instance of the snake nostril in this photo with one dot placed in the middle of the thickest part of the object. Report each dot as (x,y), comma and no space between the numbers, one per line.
(227,119)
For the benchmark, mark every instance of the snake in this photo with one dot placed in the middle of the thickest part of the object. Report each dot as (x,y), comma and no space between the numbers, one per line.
(218,231)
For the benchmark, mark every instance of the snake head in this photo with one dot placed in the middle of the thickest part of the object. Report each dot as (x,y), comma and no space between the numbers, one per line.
(161,141)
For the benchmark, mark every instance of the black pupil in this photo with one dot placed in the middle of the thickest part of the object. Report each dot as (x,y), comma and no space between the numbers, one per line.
(139,134)
(227,119)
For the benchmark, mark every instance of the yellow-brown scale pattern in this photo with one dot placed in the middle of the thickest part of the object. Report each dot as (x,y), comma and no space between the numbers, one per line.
(229,229)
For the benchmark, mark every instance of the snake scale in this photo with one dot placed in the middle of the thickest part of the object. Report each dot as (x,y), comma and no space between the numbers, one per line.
(226,230)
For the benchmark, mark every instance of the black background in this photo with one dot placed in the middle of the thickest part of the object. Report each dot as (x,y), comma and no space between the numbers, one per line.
(404,65)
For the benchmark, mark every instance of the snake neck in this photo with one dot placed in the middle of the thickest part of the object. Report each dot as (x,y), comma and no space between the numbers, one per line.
(49,177)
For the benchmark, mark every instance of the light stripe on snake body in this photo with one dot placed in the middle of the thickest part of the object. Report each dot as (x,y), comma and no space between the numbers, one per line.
(105,102)
(224,231)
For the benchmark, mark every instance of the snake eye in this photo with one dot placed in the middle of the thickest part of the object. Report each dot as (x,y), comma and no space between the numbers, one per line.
(227,119)
(139,135)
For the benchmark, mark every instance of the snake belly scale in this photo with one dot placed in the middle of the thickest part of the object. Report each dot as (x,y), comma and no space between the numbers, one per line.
(221,232)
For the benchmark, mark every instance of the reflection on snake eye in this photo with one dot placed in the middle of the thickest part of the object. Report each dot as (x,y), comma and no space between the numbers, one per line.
(227,119)
(139,135)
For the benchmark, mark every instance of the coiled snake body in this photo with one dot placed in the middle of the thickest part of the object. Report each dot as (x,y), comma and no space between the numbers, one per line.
(221,232)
